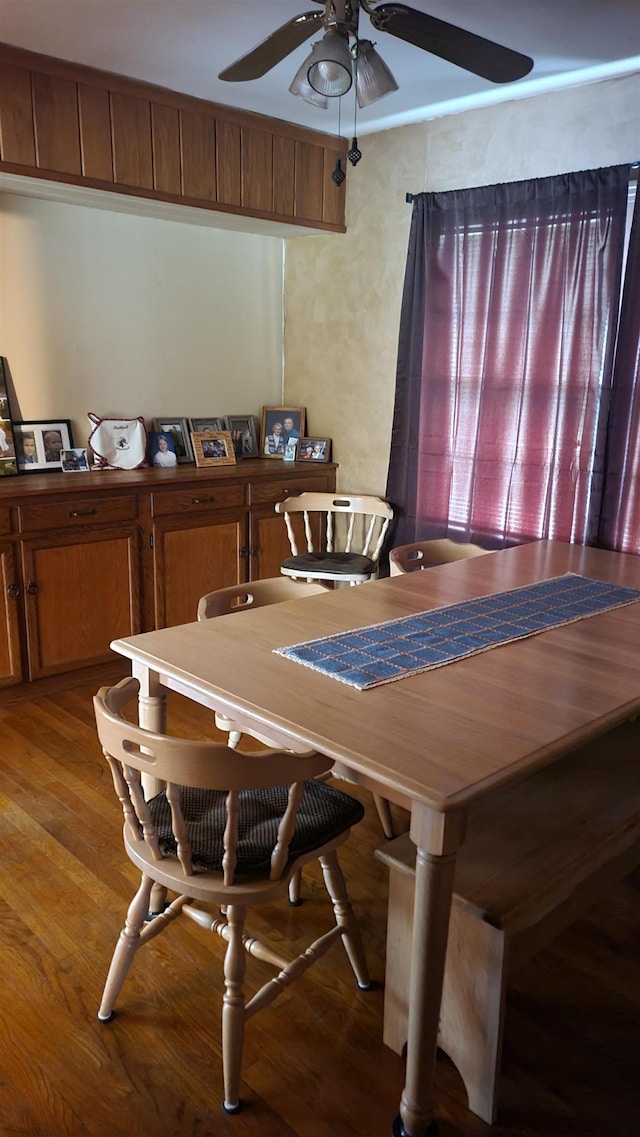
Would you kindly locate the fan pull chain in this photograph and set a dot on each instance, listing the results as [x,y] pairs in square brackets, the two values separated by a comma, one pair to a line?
[353,153]
[338,175]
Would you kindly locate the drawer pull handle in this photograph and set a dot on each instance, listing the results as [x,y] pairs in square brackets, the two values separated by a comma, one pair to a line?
[32,588]
[201,500]
[13,590]
[82,512]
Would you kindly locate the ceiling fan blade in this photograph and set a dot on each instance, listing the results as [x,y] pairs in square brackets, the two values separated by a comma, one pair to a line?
[465,49]
[275,47]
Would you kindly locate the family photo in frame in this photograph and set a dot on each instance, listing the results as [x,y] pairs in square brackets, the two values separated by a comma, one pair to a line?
[213,448]
[178,432]
[281,426]
[314,450]
[39,445]
[8,458]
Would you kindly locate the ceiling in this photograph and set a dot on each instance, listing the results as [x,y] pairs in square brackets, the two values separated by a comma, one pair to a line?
[183,44]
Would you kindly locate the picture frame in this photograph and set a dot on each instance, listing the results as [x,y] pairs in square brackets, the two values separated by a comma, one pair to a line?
[197,425]
[40,443]
[75,461]
[314,450]
[213,448]
[162,449]
[276,433]
[179,430]
[244,435]
[8,455]
[291,450]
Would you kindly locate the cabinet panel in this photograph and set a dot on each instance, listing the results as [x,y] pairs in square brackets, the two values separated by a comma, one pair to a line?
[228,162]
[10,663]
[165,122]
[81,592]
[16,116]
[290,487]
[57,127]
[196,500]
[198,137]
[95,132]
[283,175]
[5,521]
[79,512]
[257,170]
[309,181]
[192,559]
[131,125]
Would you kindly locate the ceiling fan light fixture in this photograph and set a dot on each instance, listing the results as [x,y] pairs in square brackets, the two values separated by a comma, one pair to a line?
[300,86]
[373,78]
[329,70]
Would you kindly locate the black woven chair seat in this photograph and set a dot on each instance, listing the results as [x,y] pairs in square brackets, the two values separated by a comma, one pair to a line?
[336,563]
[324,813]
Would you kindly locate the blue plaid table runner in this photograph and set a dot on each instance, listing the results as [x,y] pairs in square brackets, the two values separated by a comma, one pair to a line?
[381,653]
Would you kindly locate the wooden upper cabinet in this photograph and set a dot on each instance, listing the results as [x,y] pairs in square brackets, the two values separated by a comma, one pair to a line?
[95,132]
[17,142]
[106,131]
[131,134]
[198,147]
[56,123]
[165,123]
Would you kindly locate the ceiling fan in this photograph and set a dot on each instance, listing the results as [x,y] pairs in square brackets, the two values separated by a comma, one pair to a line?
[329,70]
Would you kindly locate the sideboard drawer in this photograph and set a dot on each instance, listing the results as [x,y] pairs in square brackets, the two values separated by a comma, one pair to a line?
[197,500]
[78,511]
[264,492]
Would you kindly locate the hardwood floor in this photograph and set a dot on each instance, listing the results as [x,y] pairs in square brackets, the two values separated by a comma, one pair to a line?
[315,1065]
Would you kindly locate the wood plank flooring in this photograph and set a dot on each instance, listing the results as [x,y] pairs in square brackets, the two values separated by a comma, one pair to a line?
[315,1065]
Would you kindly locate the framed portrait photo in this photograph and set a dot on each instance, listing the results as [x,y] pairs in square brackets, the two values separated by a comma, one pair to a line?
[279,426]
[314,450]
[162,449]
[213,448]
[244,435]
[179,431]
[291,450]
[39,444]
[197,425]
[8,457]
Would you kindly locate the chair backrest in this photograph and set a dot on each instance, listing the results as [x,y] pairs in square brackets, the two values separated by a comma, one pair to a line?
[208,790]
[256,594]
[366,520]
[423,554]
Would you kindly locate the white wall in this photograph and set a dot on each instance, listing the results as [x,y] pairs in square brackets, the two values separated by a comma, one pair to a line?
[114,313]
[343,293]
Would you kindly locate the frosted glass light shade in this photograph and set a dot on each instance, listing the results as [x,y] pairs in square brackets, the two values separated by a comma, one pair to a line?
[373,78]
[330,71]
[300,86]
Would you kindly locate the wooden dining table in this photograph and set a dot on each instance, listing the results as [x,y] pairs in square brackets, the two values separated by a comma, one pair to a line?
[436,741]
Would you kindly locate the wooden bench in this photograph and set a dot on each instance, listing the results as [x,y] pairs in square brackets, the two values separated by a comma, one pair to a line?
[536,855]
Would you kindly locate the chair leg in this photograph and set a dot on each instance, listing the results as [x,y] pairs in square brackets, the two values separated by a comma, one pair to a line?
[233,1008]
[126,947]
[345,918]
[294,889]
[384,813]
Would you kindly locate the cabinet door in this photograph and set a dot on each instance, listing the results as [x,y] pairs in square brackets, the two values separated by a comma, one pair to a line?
[269,542]
[81,592]
[192,558]
[10,665]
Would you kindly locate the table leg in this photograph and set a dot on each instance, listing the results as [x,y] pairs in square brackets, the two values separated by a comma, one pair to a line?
[152,715]
[437,837]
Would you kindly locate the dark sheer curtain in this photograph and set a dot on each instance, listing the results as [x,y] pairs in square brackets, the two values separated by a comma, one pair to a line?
[620,522]
[507,337]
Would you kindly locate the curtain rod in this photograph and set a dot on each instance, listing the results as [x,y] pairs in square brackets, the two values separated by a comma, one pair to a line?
[408,197]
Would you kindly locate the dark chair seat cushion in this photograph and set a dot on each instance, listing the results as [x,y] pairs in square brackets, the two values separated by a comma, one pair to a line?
[340,564]
[324,813]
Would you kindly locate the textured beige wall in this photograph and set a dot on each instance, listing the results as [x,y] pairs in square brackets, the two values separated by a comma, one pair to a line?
[114,313]
[343,293]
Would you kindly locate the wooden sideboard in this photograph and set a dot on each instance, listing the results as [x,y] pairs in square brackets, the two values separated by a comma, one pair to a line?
[86,558]
[69,123]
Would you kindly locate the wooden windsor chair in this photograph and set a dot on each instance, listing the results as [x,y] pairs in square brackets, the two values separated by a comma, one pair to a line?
[422,554]
[229,830]
[344,535]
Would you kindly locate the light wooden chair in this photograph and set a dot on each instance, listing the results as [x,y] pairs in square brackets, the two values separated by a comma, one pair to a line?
[343,534]
[423,554]
[229,830]
[257,594]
